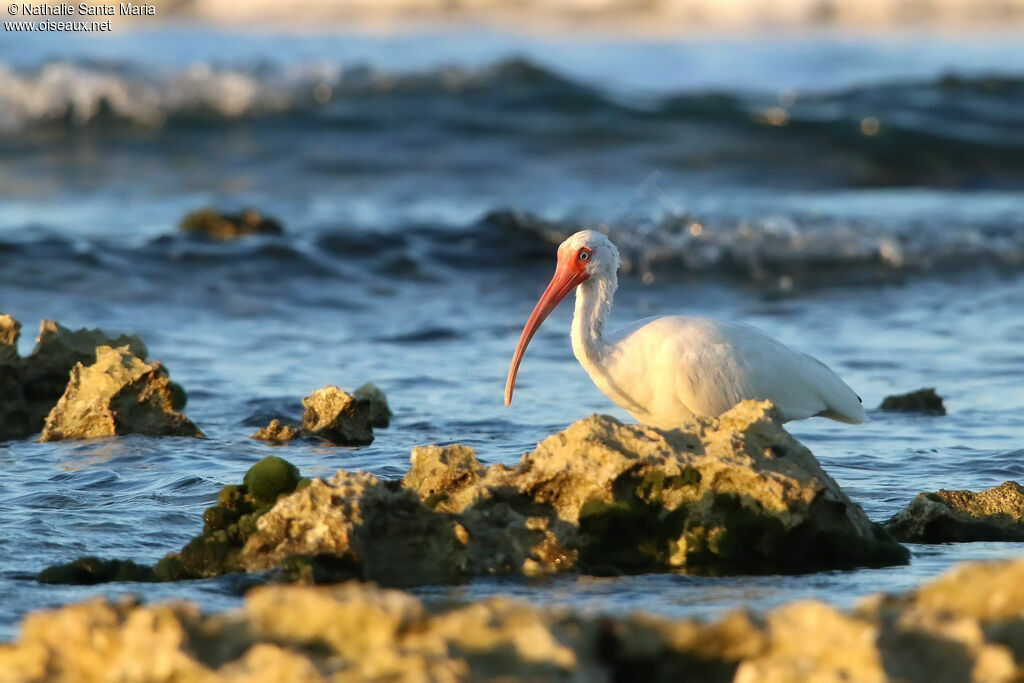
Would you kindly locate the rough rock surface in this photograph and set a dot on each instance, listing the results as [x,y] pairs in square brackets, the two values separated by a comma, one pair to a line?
[924,401]
[277,432]
[996,514]
[965,626]
[734,494]
[365,527]
[117,394]
[229,226]
[31,386]
[338,417]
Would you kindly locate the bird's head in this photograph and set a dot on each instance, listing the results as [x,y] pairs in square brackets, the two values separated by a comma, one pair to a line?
[583,255]
[590,253]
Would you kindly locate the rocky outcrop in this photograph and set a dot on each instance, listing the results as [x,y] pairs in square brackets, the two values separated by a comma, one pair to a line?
[117,394]
[337,417]
[224,227]
[924,401]
[996,514]
[277,432]
[31,386]
[967,625]
[735,494]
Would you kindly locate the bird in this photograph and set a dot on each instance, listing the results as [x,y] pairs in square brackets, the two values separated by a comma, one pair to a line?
[665,371]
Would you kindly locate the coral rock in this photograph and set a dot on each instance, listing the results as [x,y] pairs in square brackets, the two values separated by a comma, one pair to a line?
[276,432]
[337,417]
[735,494]
[996,514]
[386,532]
[964,626]
[118,394]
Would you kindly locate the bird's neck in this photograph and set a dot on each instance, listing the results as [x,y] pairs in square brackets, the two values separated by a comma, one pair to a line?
[593,302]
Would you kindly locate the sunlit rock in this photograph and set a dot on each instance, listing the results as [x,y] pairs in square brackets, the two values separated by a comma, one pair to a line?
[117,394]
[964,626]
[338,417]
[277,432]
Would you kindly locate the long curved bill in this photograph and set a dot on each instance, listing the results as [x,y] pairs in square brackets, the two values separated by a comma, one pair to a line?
[564,281]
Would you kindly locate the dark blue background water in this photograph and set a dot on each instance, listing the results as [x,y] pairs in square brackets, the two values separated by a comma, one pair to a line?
[424,181]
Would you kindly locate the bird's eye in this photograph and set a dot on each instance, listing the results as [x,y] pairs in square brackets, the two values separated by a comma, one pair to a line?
[584,255]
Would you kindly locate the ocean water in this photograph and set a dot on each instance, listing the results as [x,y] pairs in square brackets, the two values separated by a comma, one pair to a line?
[857,197]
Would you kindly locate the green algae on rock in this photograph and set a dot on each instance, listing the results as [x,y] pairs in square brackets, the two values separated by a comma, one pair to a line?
[735,494]
[117,394]
[965,625]
[224,227]
[924,401]
[996,514]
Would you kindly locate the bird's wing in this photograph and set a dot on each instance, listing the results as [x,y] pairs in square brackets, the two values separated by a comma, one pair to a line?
[715,365]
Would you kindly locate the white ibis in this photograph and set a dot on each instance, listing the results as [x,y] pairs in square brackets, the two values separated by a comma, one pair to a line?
[664,371]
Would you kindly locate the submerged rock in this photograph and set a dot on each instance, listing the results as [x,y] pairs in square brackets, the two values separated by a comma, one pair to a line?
[924,401]
[338,417]
[229,226]
[966,625]
[92,570]
[117,394]
[996,514]
[277,432]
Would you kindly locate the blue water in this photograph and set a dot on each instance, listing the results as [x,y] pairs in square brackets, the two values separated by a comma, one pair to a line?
[896,258]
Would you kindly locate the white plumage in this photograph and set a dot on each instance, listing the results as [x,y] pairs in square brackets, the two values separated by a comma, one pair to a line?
[665,370]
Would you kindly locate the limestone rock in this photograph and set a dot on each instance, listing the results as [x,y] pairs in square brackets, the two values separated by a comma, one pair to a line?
[45,373]
[439,474]
[118,394]
[996,514]
[337,417]
[10,330]
[384,532]
[277,432]
[964,626]
[924,401]
[380,413]
[733,494]
[229,226]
